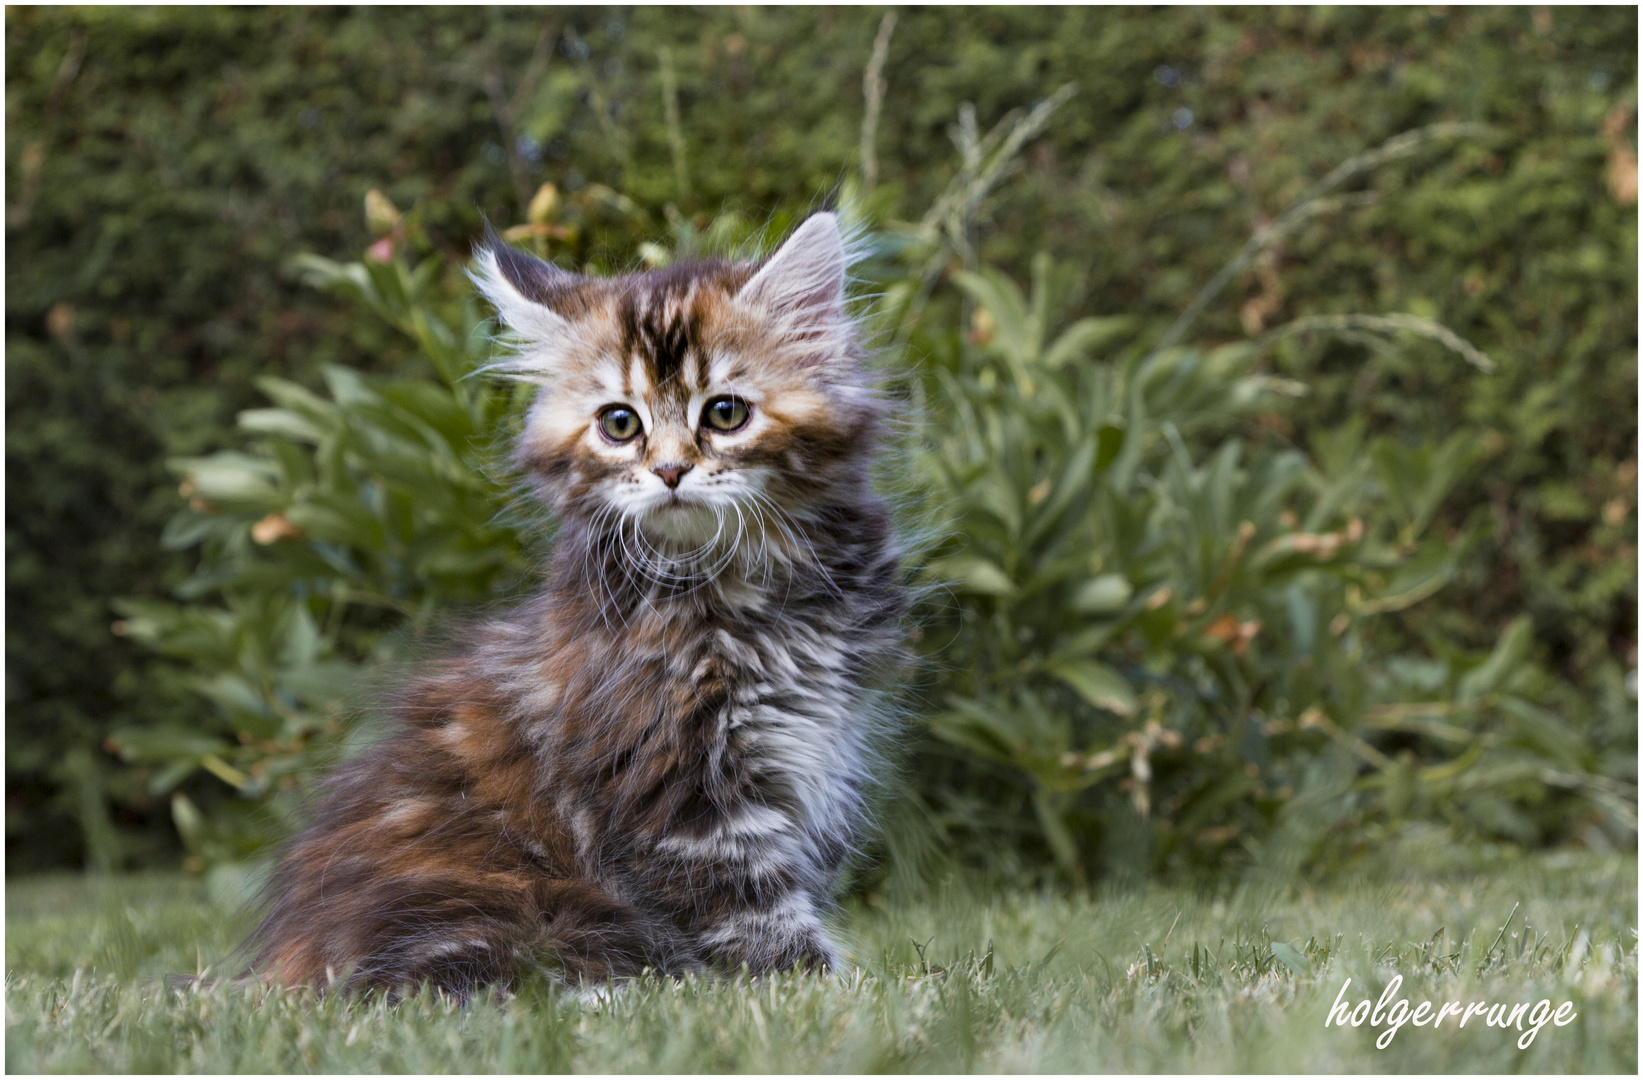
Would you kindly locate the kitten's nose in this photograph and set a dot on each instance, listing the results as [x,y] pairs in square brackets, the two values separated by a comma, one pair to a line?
[671,474]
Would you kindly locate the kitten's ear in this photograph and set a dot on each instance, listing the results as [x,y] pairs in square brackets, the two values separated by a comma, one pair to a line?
[802,284]
[532,297]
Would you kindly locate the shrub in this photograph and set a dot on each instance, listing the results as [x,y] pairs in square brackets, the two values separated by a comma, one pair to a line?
[1166,653]
[165,163]
[1165,644]
[361,513]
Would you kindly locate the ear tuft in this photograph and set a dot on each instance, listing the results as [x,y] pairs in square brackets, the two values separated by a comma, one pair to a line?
[528,293]
[803,282]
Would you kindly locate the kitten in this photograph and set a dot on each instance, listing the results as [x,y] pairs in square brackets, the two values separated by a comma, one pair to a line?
[660,760]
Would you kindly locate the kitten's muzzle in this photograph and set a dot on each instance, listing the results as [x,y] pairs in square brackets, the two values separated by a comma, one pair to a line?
[672,474]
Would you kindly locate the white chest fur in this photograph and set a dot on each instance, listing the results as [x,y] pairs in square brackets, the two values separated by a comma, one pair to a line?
[796,720]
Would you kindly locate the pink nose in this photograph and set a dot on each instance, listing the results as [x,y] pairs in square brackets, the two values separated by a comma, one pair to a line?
[671,474]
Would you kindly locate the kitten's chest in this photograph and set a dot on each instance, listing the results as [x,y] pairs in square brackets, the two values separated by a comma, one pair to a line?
[791,722]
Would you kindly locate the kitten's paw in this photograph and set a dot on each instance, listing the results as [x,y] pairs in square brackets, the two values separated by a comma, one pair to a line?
[787,936]
[819,955]
[603,995]
[811,953]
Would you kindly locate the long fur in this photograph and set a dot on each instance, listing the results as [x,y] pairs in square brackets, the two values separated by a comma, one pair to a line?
[660,761]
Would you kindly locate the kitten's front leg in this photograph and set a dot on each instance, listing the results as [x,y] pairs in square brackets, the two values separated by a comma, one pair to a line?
[779,935]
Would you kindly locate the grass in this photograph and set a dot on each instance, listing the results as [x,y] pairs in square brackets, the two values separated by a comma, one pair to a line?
[1148,979]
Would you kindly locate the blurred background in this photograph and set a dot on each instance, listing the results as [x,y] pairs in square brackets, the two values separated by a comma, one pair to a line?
[1270,384]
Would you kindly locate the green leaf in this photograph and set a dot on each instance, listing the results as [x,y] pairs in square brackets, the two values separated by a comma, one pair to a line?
[188,528]
[1084,336]
[334,517]
[1422,575]
[974,574]
[1510,651]
[1012,333]
[320,684]
[434,405]
[349,387]
[970,729]
[173,774]
[1103,595]
[1099,685]
[294,637]
[183,631]
[1545,732]
[281,422]
[1051,809]
[1083,643]
[1416,478]
[233,693]
[1110,439]
[298,399]
[187,817]
[225,772]
[168,743]
[232,477]
[1073,481]
[1292,958]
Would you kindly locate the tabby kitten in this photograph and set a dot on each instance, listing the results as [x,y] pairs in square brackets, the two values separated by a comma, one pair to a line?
[660,760]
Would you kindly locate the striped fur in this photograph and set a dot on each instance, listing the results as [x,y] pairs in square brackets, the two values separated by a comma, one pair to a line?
[660,760]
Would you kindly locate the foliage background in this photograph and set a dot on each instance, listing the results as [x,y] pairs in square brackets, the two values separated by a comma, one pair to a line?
[164,167]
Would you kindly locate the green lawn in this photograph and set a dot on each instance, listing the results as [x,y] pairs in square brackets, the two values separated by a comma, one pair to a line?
[1139,980]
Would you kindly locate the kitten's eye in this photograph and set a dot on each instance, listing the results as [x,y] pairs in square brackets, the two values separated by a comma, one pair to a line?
[619,423]
[725,413]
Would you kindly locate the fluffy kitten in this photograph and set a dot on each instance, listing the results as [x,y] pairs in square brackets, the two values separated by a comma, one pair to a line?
[660,760]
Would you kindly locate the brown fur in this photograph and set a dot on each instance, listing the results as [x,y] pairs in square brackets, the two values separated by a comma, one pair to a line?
[615,776]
